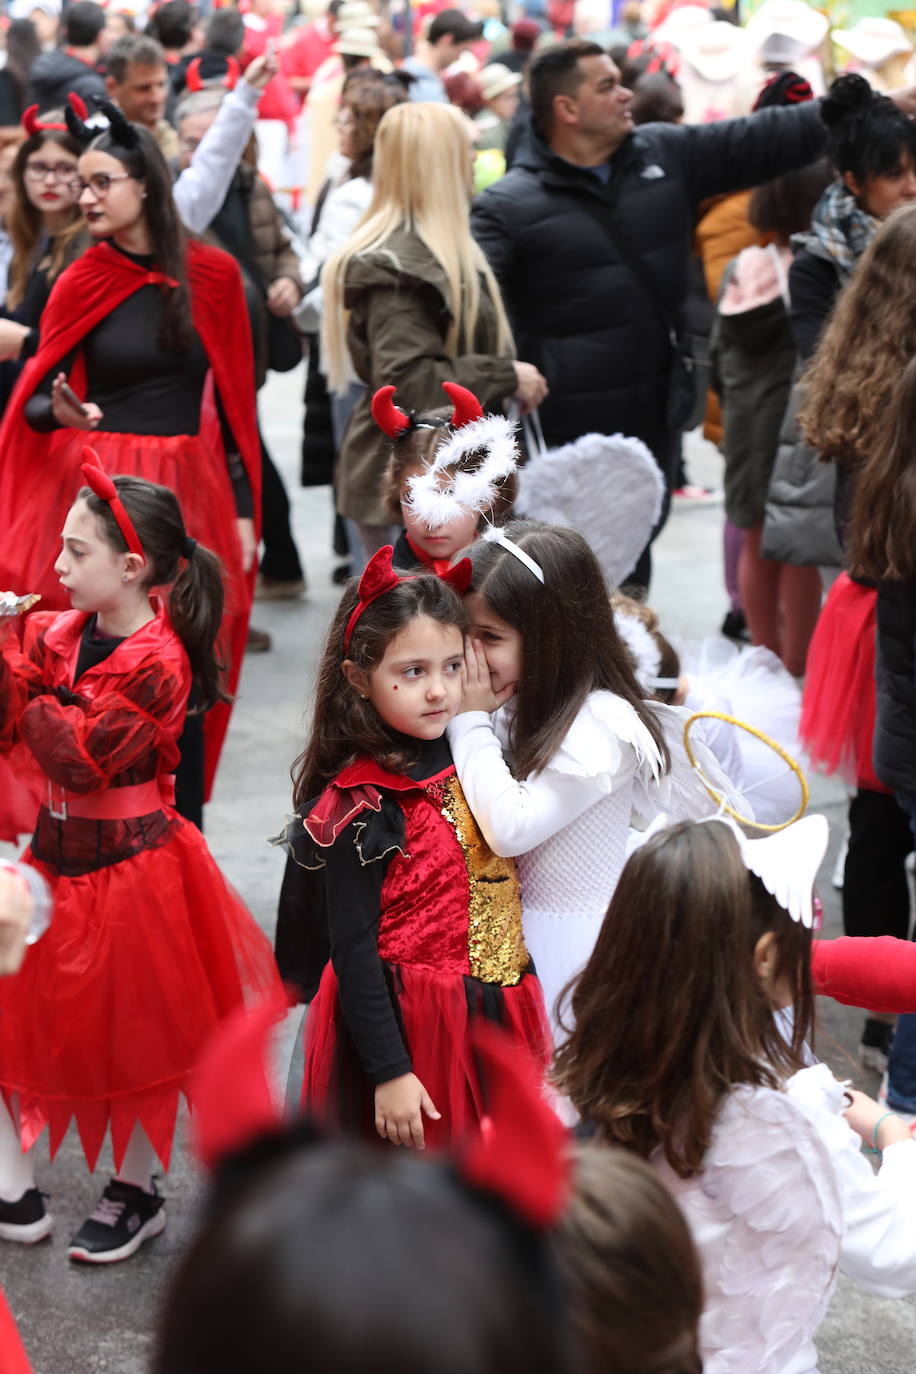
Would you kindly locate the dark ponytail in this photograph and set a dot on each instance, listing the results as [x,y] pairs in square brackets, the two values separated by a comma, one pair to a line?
[194,573]
[867,134]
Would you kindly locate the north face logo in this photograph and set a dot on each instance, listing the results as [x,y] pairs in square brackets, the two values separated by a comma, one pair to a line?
[652,173]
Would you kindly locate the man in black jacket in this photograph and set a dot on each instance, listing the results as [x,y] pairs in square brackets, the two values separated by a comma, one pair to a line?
[578,311]
[72,67]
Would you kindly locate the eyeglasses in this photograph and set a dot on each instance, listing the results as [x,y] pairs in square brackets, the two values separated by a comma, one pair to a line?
[41,171]
[99,185]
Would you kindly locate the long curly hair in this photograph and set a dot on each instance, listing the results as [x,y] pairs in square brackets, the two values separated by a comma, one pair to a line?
[865,347]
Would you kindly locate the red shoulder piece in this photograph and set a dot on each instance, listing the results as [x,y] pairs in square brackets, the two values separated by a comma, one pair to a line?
[336,808]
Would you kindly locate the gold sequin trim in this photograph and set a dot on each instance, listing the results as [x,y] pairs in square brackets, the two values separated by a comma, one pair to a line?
[496,945]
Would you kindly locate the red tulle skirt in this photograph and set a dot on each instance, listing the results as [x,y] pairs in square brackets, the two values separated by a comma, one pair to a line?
[839,704]
[435,1010]
[112,1006]
[194,470]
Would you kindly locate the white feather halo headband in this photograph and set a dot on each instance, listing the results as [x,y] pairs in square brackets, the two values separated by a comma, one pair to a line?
[437,503]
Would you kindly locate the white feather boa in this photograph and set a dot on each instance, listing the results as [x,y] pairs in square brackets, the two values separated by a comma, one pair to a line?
[436,501]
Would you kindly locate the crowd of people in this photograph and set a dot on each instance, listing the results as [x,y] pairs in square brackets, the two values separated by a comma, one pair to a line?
[550,928]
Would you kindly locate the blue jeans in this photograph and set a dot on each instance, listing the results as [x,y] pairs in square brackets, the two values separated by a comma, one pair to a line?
[901,1067]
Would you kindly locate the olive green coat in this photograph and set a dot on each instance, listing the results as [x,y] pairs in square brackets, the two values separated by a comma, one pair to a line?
[399,318]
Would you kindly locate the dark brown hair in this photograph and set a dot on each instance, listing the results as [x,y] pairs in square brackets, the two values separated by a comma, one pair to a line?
[670,1013]
[784,205]
[881,538]
[865,347]
[632,1273]
[570,644]
[343,725]
[26,225]
[368,95]
[556,71]
[195,601]
[415,448]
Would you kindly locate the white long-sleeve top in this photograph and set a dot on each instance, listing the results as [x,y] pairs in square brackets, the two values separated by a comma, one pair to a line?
[343,208]
[785,1199]
[201,188]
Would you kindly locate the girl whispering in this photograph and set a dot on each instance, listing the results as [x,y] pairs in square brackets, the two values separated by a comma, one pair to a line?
[719,1095]
[555,777]
[149,948]
[424,921]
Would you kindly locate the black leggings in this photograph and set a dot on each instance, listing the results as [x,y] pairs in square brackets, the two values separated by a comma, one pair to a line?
[281,557]
[876,889]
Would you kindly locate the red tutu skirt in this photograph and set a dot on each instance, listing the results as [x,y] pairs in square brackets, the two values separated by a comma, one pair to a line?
[112,1006]
[194,470]
[435,1011]
[839,703]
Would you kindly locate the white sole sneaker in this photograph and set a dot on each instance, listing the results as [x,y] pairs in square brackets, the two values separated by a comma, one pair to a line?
[28,1235]
[154,1227]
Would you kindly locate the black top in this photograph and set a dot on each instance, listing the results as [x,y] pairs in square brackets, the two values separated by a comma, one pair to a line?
[141,387]
[94,647]
[351,910]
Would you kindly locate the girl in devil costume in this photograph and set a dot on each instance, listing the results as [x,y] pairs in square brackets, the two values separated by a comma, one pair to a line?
[149,947]
[136,327]
[424,920]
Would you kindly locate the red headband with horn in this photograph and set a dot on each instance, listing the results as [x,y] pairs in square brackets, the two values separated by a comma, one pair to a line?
[33,125]
[521,1155]
[104,487]
[379,577]
[195,82]
[393,421]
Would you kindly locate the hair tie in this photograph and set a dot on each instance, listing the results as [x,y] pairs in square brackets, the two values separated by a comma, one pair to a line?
[99,482]
[190,546]
[380,577]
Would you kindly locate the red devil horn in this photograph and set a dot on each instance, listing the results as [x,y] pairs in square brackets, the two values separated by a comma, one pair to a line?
[78,105]
[231,79]
[466,405]
[390,419]
[95,477]
[192,77]
[30,121]
[459,577]
[230,1089]
[521,1155]
[379,575]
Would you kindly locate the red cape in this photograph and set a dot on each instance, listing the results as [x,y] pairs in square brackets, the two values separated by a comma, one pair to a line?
[30,480]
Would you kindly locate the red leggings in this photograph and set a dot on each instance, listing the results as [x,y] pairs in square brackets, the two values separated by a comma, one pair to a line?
[781,602]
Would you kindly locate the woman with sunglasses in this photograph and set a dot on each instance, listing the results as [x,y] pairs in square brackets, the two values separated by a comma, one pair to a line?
[136,329]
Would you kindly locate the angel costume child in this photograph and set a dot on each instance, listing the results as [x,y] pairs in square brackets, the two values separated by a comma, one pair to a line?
[149,948]
[421,920]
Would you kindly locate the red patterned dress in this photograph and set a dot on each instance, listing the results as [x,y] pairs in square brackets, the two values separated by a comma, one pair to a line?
[425,930]
[149,947]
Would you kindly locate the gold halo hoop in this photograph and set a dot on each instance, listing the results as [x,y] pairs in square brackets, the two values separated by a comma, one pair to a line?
[717,797]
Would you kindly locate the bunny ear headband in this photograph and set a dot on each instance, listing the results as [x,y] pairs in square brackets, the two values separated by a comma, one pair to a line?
[520,1157]
[438,495]
[786,863]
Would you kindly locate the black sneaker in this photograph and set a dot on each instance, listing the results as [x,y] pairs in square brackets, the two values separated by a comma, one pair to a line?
[734,626]
[125,1217]
[25,1221]
[875,1045]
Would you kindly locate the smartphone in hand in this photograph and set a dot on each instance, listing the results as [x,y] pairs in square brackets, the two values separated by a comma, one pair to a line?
[72,399]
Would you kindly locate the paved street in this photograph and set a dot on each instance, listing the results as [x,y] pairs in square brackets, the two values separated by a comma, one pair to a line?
[84,1319]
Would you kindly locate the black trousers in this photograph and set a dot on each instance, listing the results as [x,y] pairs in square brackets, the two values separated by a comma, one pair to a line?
[281,557]
[876,889]
[666,449]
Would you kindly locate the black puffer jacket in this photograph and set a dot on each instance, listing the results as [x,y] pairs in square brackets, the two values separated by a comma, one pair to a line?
[577,311]
[55,74]
[895,671]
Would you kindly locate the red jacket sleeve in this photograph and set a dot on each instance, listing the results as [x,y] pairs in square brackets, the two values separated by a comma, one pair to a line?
[21,675]
[81,745]
[874,973]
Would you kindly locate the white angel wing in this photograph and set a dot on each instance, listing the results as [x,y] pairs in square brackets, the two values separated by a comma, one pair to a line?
[607,486]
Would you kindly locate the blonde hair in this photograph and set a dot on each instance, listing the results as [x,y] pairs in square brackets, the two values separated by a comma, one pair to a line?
[420,182]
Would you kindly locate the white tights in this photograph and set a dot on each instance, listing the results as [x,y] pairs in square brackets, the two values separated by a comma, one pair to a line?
[17,1172]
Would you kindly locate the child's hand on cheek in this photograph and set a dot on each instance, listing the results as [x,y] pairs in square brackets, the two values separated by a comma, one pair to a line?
[477,692]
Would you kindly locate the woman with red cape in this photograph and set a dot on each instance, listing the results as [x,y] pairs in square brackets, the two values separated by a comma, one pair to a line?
[149,330]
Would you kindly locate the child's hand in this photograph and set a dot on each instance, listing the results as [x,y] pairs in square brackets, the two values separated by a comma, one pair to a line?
[476,693]
[864,1114]
[399,1107]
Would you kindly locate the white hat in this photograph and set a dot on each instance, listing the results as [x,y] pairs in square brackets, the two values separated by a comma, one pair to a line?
[716,52]
[873,41]
[680,22]
[783,29]
[356,14]
[495,79]
[357,43]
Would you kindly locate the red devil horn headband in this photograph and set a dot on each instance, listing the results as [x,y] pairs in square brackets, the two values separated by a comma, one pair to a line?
[195,82]
[393,421]
[104,487]
[33,125]
[380,577]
